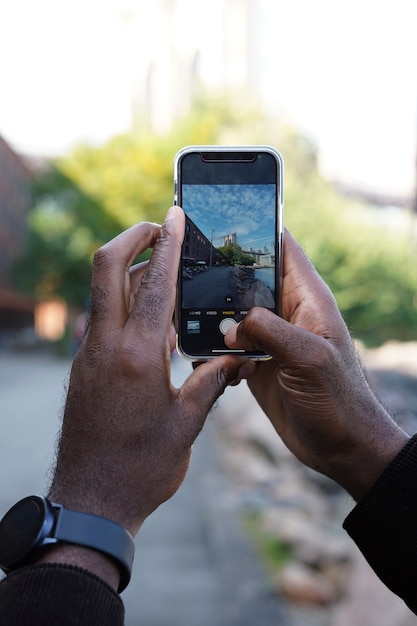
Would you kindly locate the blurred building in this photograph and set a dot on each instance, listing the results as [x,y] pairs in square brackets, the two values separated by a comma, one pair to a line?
[174,52]
[16,309]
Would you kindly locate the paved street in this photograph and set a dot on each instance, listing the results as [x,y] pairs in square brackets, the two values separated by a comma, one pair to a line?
[193,565]
[208,289]
[31,394]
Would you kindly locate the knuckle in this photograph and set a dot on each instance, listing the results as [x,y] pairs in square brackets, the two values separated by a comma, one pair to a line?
[322,358]
[103,256]
[155,273]
[222,379]
[166,234]
[254,318]
[255,321]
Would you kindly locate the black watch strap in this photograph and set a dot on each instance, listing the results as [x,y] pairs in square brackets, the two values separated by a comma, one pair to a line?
[36,523]
[98,533]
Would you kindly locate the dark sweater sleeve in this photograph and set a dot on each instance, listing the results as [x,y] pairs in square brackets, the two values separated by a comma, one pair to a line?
[384,525]
[58,595]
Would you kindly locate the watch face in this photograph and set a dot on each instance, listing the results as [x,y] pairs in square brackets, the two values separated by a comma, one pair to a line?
[21,529]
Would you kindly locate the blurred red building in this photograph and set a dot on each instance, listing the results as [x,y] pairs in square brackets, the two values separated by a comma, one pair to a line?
[16,309]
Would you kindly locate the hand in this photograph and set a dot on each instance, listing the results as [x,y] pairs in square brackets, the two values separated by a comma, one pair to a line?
[127,432]
[314,389]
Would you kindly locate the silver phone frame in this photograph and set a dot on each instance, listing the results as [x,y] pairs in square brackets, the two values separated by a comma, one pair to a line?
[279,232]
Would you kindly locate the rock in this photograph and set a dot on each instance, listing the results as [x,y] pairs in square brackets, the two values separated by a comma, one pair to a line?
[338,575]
[399,394]
[319,548]
[392,371]
[313,544]
[394,356]
[300,584]
[252,469]
[258,294]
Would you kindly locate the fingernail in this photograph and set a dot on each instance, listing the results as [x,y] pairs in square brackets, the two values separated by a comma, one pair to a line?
[172,211]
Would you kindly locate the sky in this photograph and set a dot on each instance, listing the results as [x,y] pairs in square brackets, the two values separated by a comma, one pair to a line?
[344,71]
[246,210]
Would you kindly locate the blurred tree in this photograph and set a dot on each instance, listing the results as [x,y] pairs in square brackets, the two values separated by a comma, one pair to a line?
[95,192]
[66,225]
[370,269]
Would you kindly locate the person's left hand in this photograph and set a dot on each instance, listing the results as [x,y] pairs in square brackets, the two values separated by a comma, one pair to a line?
[127,432]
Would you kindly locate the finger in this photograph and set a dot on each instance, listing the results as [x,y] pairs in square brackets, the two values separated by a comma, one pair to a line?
[155,299]
[136,273]
[209,380]
[295,259]
[301,282]
[246,369]
[196,364]
[172,336]
[110,284]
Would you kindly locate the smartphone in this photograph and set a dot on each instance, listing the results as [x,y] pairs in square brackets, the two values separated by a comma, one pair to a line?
[231,256]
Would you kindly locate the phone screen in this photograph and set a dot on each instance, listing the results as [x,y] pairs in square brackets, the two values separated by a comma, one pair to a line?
[230,258]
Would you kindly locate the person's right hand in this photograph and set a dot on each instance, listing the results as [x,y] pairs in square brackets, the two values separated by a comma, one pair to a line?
[314,389]
[127,432]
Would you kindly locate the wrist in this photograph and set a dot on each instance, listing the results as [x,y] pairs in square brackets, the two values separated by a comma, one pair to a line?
[369,453]
[36,529]
[89,503]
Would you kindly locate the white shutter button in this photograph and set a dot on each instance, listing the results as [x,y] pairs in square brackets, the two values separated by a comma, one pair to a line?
[227,323]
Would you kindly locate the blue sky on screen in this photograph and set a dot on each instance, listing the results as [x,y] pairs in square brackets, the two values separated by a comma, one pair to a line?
[247,210]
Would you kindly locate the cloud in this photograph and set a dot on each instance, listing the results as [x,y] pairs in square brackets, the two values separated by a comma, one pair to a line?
[247,210]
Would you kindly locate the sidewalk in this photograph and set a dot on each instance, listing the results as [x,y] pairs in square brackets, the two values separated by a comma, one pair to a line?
[194,564]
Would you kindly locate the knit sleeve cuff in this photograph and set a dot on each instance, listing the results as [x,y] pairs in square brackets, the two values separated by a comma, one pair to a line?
[384,525]
[50,594]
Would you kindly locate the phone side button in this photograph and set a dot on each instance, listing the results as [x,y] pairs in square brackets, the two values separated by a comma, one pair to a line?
[225,324]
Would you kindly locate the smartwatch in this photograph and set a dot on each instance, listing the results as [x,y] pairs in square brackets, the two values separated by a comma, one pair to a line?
[36,523]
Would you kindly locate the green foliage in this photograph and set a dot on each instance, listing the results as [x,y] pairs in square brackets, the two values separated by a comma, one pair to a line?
[66,226]
[95,192]
[371,270]
[274,552]
[129,178]
[234,255]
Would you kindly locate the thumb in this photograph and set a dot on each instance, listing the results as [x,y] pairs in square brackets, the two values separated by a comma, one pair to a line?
[209,380]
[263,330]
